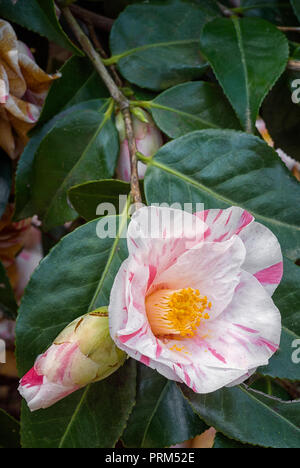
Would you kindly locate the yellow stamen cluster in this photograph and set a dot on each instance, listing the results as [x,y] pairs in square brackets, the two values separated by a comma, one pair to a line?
[176,312]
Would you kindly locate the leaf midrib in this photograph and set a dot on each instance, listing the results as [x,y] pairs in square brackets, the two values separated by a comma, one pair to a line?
[153,104]
[238,31]
[216,195]
[116,58]
[158,401]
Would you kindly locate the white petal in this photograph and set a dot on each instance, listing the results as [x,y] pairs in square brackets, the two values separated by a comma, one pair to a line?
[264,256]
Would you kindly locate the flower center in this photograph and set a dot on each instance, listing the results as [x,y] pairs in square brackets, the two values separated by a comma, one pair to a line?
[176,312]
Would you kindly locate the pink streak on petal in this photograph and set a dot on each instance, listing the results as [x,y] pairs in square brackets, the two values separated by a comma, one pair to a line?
[32,379]
[158,349]
[207,233]
[246,219]
[131,276]
[263,342]
[249,330]
[66,358]
[271,275]
[218,216]
[125,338]
[152,274]
[145,360]
[217,355]
[187,379]
[228,219]
[134,243]
[221,238]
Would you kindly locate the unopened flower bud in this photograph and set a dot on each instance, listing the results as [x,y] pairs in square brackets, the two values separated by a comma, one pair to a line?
[83,353]
[148,141]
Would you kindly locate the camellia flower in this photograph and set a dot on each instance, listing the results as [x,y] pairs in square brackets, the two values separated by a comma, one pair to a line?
[23,88]
[193,299]
[148,141]
[83,353]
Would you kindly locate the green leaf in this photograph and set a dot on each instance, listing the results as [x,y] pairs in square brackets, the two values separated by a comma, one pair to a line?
[221,168]
[79,83]
[76,277]
[287,299]
[38,16]
[25,175]
[222,442]
[82,146]
[86,198]
[9,431]
[5,181]
[275,11]
[296,8]
[7,298]
[157,46]
[161,416]
[192,106]
[249,416]
[239,53]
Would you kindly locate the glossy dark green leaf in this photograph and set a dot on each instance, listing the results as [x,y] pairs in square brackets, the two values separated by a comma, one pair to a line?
[221,168]
[157,46]
[76,277]
[87,197]
[192,106]
[270,387]
[82,146]
[275,11]
[296,8]
[249,416]
[9,431]
[7,298]
[38,16]
[25,206]
[161,416]
[5,181]
[79,82]
[239,53]
[287,299]
[223,442]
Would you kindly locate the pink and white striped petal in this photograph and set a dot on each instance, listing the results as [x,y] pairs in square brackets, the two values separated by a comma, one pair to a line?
[263,257]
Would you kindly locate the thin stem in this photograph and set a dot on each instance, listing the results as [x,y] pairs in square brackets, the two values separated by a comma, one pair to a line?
[115,93]
[104,55]
[99,21]
[289,28]
[226,11]
[293,65]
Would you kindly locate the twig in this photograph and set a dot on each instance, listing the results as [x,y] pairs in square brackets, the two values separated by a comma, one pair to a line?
[288,28]
[116,94]
[99,21]
[226,11]
[104,55]
[289,387]
[293,65]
